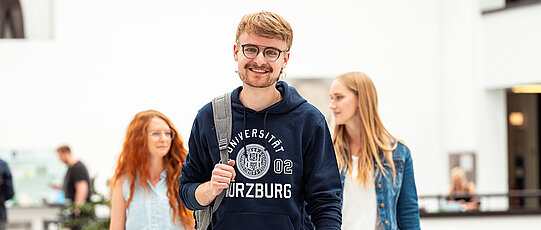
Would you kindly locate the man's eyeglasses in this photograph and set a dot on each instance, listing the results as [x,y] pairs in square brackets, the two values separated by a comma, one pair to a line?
[156,135]
[271,54]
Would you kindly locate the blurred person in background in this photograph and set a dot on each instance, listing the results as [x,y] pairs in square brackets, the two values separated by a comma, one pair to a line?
[462,191]
[379,185]
[144,186]
[11,19]
[76,182]
[6,192]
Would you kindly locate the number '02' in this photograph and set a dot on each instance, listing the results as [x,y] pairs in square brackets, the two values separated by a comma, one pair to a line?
[283,166]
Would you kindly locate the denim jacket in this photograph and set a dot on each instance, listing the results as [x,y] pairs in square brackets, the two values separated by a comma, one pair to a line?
[397,205]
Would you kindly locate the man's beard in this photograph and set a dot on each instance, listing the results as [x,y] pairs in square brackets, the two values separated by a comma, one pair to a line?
[243,74]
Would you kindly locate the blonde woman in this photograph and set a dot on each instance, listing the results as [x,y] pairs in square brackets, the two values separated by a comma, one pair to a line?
[379,187]
[462,190]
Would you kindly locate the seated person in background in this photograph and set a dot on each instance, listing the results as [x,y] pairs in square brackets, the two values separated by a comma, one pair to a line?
[462,191]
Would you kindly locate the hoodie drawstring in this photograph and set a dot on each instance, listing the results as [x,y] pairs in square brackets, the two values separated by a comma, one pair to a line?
[264,128]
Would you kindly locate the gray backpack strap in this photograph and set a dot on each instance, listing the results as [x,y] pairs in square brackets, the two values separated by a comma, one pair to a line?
[221,108]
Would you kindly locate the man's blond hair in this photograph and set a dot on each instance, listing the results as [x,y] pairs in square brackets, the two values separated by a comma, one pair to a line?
[63,149]
[267,25]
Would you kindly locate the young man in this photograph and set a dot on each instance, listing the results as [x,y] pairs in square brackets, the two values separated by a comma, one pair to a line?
[77,181]
[283,173]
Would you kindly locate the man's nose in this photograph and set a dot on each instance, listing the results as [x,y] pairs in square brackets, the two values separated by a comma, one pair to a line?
[260,59]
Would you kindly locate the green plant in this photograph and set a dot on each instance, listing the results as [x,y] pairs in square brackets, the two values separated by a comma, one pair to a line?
[87,220]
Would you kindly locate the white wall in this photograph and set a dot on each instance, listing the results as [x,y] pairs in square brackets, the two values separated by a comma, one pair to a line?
[38,19]
[491,4]
[459,55]
[112,59]
[511,49]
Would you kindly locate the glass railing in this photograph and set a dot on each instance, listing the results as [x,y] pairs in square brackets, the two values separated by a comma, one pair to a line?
[515,202]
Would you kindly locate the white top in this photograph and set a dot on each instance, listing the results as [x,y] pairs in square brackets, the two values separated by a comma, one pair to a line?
[359,209]
[149,210]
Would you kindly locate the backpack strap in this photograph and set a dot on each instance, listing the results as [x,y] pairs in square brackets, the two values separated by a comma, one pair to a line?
[221,108]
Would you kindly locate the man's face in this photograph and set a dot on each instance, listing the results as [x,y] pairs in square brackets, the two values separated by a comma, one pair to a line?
[63,157]
[258,72]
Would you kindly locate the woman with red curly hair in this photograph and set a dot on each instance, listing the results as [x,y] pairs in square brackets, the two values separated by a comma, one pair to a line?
[144,187]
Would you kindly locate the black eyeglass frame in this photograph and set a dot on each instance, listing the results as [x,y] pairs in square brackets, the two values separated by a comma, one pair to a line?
[264,50]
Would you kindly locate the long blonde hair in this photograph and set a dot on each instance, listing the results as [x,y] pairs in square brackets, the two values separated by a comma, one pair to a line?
[374,136]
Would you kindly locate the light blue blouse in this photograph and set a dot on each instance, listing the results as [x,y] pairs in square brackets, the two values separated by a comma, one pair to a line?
[149,210]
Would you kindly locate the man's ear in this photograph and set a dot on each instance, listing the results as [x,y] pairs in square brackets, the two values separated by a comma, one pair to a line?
[286,59]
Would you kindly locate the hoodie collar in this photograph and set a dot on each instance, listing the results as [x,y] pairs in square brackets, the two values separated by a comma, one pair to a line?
[291,99]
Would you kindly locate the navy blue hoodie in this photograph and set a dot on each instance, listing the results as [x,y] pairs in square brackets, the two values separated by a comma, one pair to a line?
[284,159]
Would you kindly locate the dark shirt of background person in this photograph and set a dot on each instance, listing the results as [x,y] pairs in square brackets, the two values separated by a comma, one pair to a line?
[6,192]
[77,181]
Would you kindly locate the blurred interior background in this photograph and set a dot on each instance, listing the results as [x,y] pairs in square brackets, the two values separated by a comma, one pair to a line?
[458,80]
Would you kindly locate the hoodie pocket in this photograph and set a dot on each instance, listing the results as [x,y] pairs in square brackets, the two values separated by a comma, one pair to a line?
[245,220]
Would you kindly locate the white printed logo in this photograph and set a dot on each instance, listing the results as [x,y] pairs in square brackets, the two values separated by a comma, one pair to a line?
[255,163]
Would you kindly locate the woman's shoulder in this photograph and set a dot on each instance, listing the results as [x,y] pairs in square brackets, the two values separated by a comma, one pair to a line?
[401,150]
[126,182]
[471,186]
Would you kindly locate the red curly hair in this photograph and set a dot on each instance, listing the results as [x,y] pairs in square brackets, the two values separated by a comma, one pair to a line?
[134,158]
